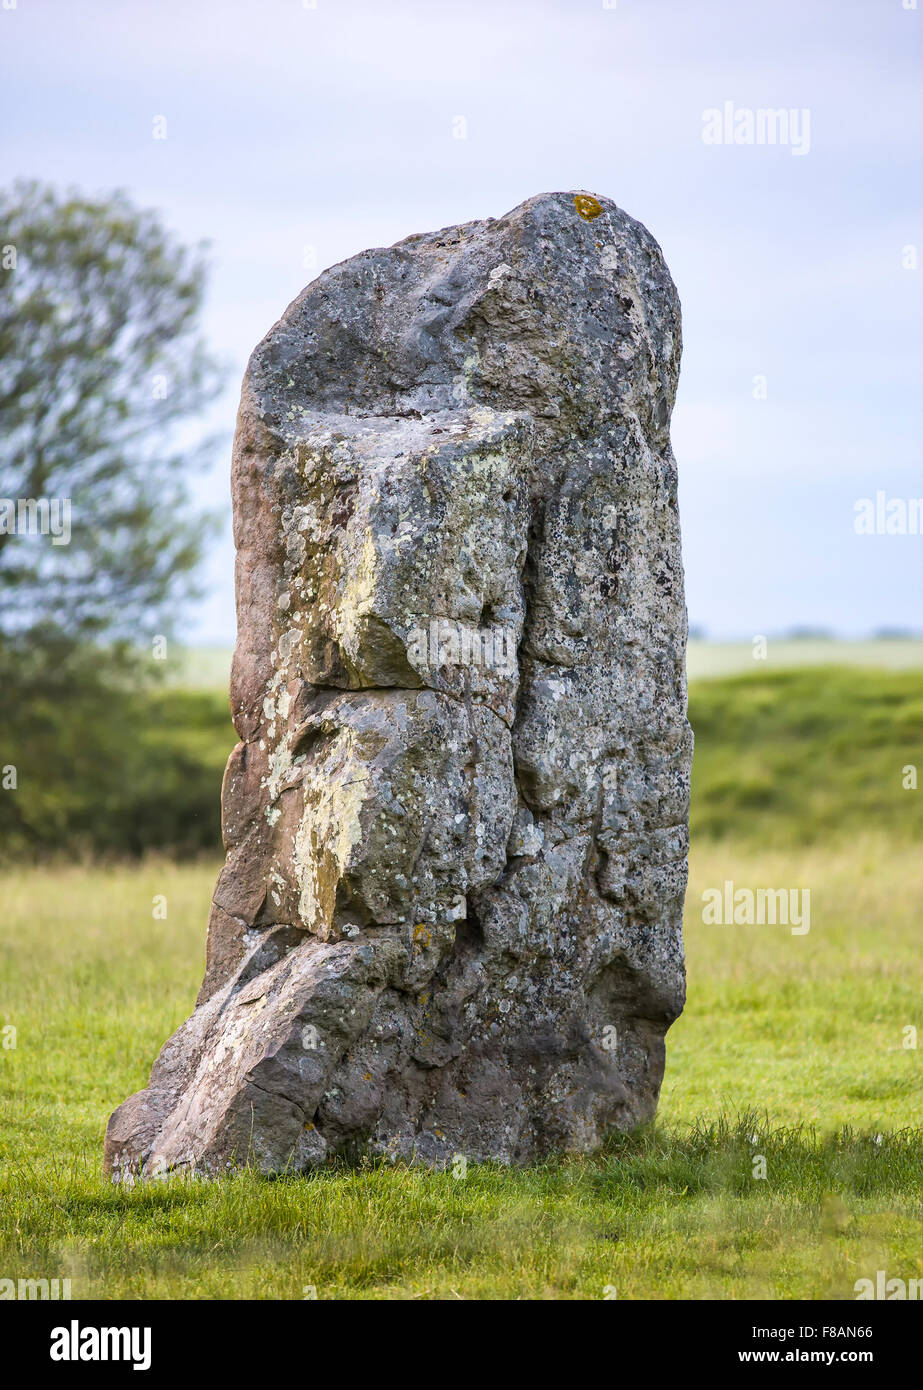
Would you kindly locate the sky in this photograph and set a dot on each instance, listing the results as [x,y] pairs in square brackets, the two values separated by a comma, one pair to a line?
[298,134]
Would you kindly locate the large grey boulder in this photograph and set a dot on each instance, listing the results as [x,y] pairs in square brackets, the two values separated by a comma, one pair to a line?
[456,823]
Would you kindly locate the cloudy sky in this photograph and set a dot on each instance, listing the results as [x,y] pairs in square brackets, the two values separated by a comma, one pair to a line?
[336,127]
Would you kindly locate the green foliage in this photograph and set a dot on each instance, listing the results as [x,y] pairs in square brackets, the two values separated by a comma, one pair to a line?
[100,360]
[103,766]
[797,756]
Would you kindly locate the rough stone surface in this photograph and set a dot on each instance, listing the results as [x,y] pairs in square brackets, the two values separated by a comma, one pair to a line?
[456,823]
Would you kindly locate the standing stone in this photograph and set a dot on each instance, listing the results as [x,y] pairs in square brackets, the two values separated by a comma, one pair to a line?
[456,822]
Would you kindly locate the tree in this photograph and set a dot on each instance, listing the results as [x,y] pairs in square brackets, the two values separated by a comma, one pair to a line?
[100,362]
[101,365]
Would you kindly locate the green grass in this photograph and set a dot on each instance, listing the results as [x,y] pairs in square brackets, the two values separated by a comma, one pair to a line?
[791,1047]
[804,1033]
[656,1217]
[808,755]
[809,1028]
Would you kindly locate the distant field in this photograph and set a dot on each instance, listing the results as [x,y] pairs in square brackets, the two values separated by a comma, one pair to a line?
[785,756]
[807,755]
[208,668]
[199,668]
[707,659]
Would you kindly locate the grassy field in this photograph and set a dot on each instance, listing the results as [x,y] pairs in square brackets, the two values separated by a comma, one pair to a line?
[792,1049]
[705,660]
[208,668]
[806,756]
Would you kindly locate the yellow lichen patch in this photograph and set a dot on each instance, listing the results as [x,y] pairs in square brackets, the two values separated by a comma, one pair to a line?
[359,595]
[587,206]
